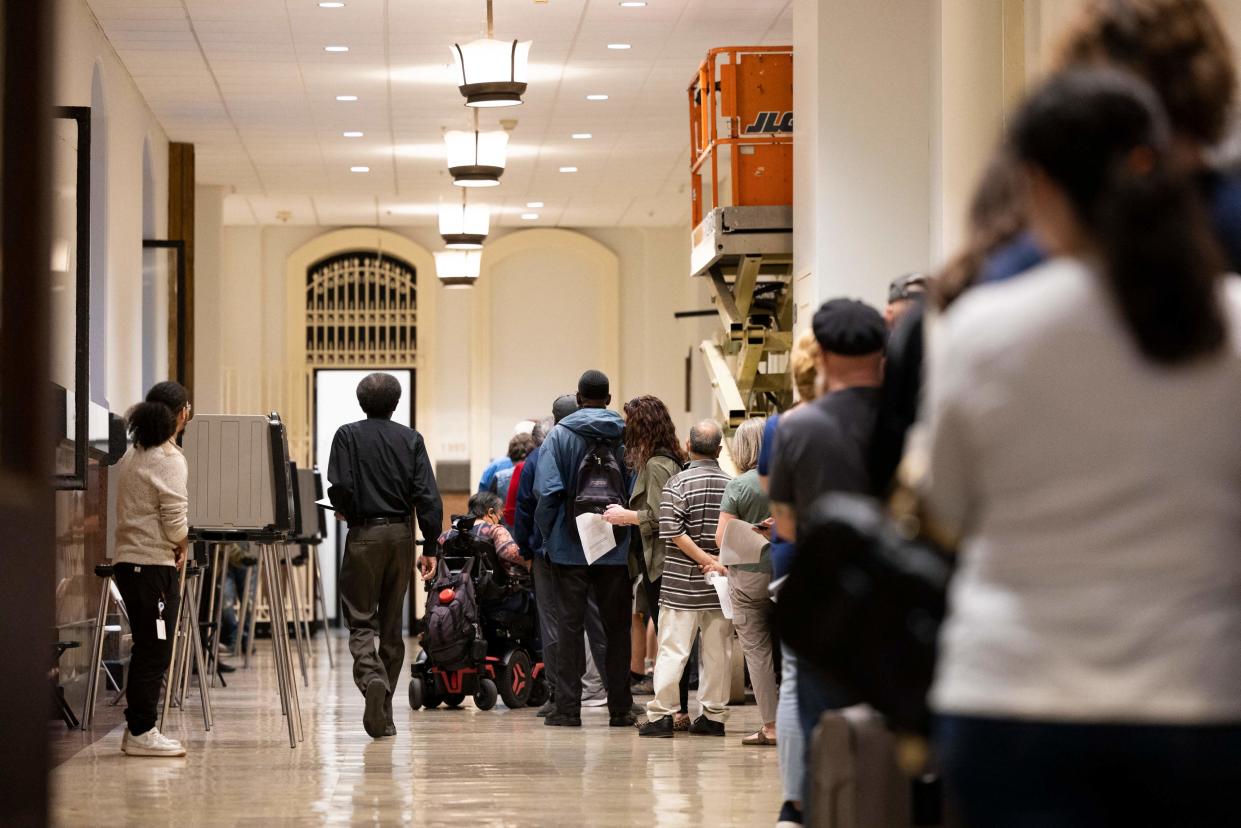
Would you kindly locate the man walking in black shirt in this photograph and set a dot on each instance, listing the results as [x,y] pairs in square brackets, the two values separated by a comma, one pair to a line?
[380,476]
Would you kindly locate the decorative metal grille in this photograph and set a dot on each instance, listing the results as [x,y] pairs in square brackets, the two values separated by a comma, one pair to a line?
[361,310]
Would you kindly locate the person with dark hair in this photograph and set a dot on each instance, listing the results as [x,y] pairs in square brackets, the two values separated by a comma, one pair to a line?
[592,431]
[152,530]
[689,605]
[519,446]
[487,511]
[654,454]
[537,435]
[1089,665]
[531,541]
[380,476]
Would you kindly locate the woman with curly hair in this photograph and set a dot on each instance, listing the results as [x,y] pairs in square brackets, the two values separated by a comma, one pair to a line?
[654,454]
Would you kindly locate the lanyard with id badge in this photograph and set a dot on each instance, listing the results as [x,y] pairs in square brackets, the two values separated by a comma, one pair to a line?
[160,631]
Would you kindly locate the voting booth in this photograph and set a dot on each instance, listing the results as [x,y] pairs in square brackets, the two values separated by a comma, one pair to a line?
[240,482]
[242,489]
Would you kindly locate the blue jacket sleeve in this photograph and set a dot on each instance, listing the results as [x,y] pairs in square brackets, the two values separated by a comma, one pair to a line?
[549,484]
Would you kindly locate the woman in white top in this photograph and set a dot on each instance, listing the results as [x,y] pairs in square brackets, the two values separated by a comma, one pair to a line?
[152,506]
[1084,423]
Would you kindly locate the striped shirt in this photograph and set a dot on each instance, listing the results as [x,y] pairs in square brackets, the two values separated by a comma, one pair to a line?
[690,506]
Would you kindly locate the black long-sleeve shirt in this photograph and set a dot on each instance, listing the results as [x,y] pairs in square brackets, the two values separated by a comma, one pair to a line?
[379,468]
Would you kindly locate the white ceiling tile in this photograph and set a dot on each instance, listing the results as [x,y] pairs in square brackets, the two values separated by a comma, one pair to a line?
[249,83]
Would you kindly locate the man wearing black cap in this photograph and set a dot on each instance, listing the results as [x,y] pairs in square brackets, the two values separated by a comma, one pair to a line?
[822,447]
[596,431]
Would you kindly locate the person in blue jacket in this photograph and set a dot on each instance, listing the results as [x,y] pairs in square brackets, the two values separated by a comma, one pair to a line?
[573,579]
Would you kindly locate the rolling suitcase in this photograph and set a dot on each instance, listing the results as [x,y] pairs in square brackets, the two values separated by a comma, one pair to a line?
[855,780]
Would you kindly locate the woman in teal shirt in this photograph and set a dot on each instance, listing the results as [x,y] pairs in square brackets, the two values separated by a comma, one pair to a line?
[744,499]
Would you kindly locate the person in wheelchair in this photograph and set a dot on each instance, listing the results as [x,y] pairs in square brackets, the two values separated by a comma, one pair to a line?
[487,513]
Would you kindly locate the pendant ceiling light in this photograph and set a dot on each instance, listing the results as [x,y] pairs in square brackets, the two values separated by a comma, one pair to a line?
[464,226]
[458,268]
[492,72]
[476,159]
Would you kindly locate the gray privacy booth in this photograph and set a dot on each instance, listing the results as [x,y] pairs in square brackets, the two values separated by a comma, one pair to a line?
[241,490]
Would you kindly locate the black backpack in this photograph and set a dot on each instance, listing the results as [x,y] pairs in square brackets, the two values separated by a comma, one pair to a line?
[452,625]
[600,480]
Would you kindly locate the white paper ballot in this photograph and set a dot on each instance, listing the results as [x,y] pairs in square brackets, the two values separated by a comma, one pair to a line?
[742,545]
[597,536]
[720,582]
[326,504]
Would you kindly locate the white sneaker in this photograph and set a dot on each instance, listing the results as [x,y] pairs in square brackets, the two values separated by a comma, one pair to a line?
[151,743]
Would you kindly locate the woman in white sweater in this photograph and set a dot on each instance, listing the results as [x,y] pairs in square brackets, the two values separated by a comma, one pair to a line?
[1084,436]
[151,530]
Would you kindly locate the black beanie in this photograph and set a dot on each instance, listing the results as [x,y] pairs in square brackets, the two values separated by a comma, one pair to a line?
[849,328]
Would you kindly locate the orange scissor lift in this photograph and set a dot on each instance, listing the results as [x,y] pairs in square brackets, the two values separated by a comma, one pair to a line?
[741,173]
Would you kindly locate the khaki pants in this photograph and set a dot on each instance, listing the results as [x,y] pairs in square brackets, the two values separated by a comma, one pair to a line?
[753,611]
[677,629]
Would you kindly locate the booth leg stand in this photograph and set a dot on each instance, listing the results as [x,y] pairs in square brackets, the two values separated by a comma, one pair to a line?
[200,660]
[120,605]
[169,681]
[218,617]
[96,646]
[309,616]
[322,600]
[283,666]
[296,602]
[285,599]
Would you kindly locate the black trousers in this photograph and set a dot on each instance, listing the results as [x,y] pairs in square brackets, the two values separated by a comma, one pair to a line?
[573,585]
[374,577]
[549,622]
[143,587]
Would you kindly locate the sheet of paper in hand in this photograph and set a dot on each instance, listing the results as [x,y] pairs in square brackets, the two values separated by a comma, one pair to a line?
[720,582]
[742,544]
[597,536]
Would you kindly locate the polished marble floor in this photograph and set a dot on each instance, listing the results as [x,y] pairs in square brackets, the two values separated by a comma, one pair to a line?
[466,767]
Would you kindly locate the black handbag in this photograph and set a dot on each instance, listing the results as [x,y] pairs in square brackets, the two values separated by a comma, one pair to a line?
[863,602]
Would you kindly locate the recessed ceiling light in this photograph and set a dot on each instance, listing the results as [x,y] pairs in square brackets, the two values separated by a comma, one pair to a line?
[359,169]
[596,97]
[619,46]
[529,216]
[582,136]
[632,4]
[352,134]
[346,97]
[568,169]
[331,5]
[336,48]
[534,205]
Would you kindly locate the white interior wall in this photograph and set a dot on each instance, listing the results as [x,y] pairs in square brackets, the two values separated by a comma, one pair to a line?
[127,123]
[240,349]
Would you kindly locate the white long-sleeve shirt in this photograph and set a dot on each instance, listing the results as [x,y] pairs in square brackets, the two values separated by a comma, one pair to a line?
[1099,497]
[152,504]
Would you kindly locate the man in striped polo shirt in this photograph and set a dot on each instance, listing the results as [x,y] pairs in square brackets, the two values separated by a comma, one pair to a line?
[688,515]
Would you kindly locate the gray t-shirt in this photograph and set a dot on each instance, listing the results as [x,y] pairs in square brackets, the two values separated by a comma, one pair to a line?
[822,447]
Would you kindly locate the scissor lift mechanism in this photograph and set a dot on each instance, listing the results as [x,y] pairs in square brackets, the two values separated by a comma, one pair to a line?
[746,249]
